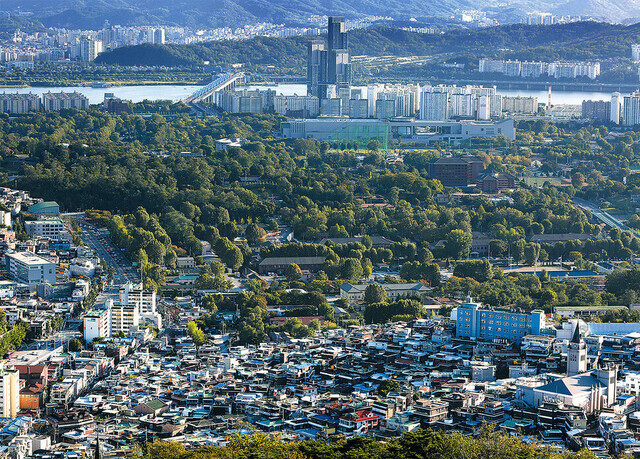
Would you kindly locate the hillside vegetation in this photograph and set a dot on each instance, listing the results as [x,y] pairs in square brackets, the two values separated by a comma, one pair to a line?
[580,41]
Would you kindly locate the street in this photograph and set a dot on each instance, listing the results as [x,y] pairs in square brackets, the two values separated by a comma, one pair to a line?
[100,242]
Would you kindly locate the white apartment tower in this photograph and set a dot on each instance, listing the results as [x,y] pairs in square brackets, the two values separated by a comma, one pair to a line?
[484,108]
[616,107]
[143,300]
[434,106]
[9,391]
[631,111]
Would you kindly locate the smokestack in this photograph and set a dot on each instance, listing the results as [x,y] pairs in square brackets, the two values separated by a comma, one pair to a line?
[549,100]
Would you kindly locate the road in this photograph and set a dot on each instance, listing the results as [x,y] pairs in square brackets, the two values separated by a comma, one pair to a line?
[113,256]
[604,217]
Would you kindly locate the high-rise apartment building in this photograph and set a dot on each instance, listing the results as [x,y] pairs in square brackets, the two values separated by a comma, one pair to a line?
[19,103]
[596,109]
[64,100]
[9,391]
[631,111]
[159,36]
[434,106]
[616,107]
[89,49]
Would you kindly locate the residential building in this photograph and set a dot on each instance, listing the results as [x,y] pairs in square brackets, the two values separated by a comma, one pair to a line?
[297,106]
[144,300]
[89,49]
[596,110]
[9,391]
[635,52]
[30,269]
[616,108]
[97,324]
[19,103]
[473,321]
[434,106]
[64,100]
[520,105]
[355,293]
[631,110]
[124,317]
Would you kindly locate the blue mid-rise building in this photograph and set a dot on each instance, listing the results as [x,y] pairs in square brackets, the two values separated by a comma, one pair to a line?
[473,321]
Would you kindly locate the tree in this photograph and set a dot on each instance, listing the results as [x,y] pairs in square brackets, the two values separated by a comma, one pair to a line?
[375,293]
[75,345]
[479,270]
[458,243]
[293,272]
[209,303]
[217,268]
[577,180]
[204,282]
[352,269]
[196,334]
[388,385]
[326,310]
[254,233]
[531,253]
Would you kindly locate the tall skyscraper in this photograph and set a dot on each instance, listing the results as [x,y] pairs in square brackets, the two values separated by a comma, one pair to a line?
[317,69]
[339,65]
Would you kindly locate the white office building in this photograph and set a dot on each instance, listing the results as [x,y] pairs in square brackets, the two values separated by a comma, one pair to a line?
[30,269]
[47,227]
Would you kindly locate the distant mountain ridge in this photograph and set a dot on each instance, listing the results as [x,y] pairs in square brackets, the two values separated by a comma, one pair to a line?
[213,13]
[574,41]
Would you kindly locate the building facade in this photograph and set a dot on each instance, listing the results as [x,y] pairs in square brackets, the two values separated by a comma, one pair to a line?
[473,321]
[30,269]
[48,227]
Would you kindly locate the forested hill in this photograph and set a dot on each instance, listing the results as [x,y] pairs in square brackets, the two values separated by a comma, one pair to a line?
[580,41]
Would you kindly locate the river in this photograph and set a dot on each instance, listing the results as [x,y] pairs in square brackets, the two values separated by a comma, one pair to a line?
[177,92]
